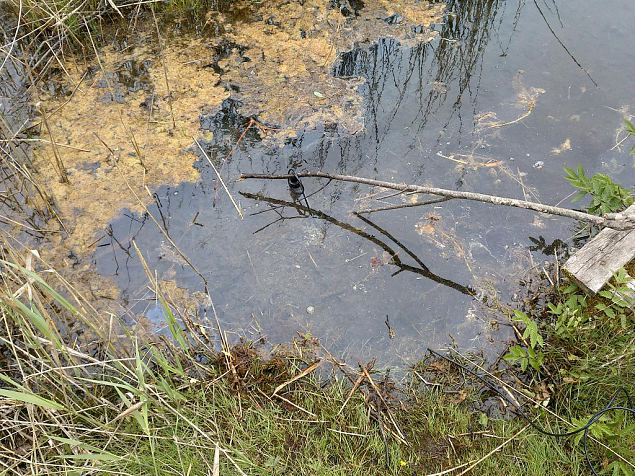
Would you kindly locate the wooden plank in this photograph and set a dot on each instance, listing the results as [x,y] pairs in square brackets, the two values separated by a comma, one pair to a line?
[594,264]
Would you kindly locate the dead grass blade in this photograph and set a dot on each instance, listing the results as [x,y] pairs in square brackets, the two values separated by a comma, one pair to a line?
[383,400]
[356,385]
[286,400]
[498,448]
[304,373]
[216,467]
[127,411]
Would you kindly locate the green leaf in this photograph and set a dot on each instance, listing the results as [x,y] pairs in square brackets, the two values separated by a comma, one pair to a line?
[31,398]
[93,457]
[91,452]
[570,288]
[606,195]
[38,321]
[537,361]
[173,325]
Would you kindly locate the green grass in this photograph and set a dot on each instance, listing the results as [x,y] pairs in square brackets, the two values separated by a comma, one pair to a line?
[113,404]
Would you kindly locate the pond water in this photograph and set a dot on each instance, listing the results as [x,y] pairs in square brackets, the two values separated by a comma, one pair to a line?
[505,96]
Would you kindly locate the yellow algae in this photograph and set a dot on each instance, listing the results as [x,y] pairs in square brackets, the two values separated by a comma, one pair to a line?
[285,71]
[128,126]
[419,13]
[178,296]
[100,291]
[288,81]
[114,139]
[425,228]
[118,142]
[112,148]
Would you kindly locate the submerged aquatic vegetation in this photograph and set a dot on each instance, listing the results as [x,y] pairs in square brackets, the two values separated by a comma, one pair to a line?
[126,127]
[122,123]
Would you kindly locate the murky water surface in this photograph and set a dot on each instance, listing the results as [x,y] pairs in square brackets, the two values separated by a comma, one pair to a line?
[495,103]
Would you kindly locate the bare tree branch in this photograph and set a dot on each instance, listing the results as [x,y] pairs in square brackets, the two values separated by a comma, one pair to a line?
[617,221]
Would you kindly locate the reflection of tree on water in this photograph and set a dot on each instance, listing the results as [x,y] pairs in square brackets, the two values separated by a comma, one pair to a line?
[441,72]
[412,85]
[419,86]
[18,189]
[421,269]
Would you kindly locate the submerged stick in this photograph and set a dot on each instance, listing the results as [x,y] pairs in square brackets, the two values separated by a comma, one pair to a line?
[617,221]
[236,206]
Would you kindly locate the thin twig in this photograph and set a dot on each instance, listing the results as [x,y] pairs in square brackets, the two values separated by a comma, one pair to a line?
[498,448]
[403,205]
[240,212]
[305,372]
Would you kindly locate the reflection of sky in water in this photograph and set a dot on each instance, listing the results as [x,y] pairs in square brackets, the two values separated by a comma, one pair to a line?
[421,108]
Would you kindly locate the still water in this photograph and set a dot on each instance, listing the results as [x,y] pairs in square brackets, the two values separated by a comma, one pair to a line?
[505,96]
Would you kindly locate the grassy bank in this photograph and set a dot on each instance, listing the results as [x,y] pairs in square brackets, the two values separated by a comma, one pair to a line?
[104,401]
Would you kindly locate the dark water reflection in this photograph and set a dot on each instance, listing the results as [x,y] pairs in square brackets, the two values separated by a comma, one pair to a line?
[17,215]
[276,272]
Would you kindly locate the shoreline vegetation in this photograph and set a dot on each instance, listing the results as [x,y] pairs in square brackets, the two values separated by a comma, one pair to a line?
[82,393]
[107,401]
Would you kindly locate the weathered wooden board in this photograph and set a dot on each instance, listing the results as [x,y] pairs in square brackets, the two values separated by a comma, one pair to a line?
[594,264]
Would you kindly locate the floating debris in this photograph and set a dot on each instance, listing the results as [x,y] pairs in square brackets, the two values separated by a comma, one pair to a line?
[566,145]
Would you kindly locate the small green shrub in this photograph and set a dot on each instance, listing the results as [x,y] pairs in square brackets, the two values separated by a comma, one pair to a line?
[570,313]
[606,195]
[527,356]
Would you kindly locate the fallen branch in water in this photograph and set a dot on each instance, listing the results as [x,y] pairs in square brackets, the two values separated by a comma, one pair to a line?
[617,221]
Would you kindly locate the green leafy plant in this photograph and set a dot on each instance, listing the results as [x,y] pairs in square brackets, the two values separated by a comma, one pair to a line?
[571,312]
[529,355]
[618,299]
[630,129]
[606,195]
[611,428]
